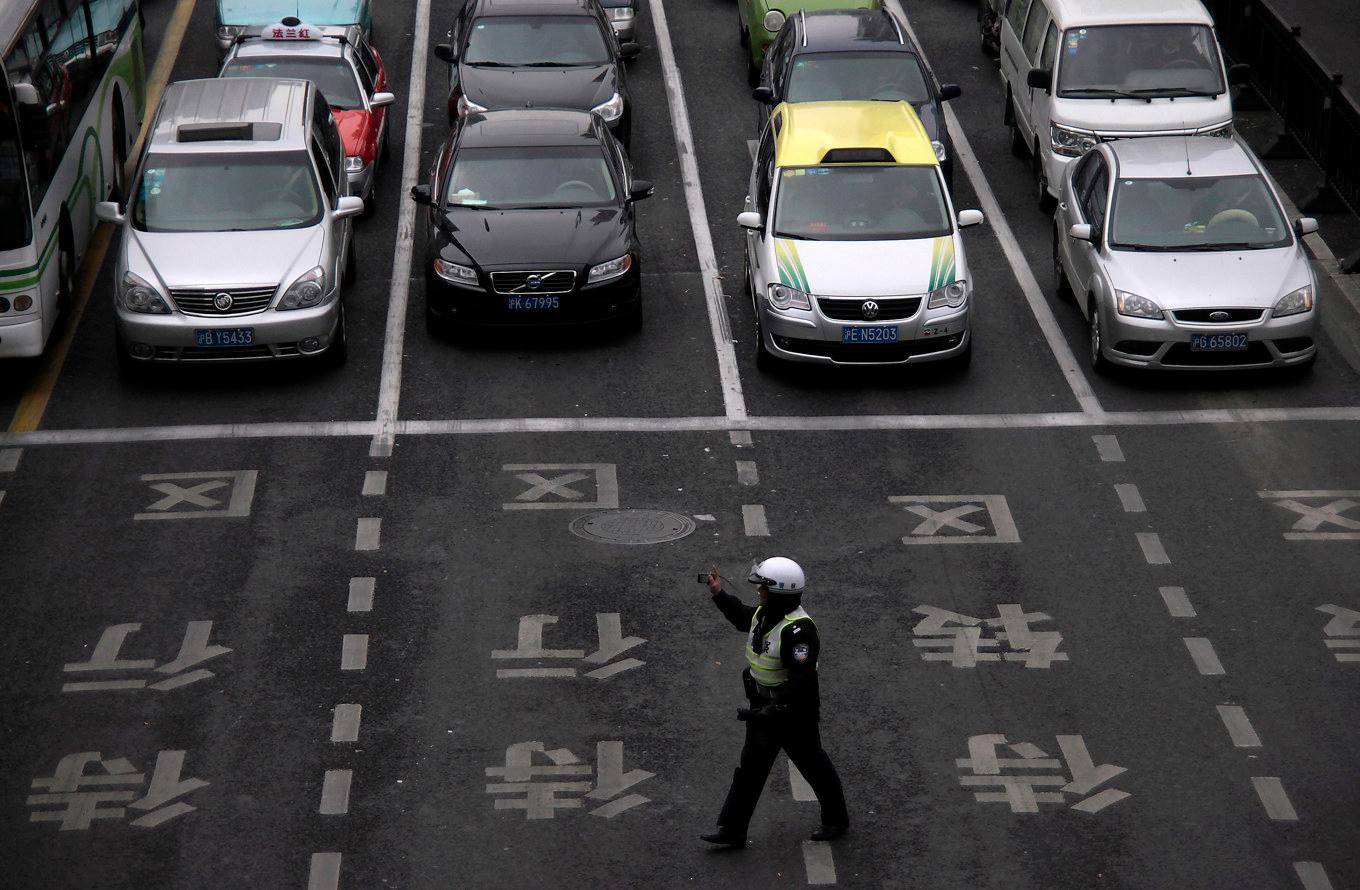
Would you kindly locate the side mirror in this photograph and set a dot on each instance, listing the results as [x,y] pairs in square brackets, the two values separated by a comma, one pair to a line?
[1305,225]
[26,94]
[950,91]
[348,206]
[969,218]
[381,100]
[1081,232]
[421,195]
[445,52]
[1239,74]
[763,95]
[629,50]
[1039,79]
[108,212]
[750,219]
[642,188]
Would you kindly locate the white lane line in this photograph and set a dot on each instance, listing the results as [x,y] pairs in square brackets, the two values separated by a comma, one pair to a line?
[1206,659]
[9,459]
[734,403]
[1274,799]
[389,388]
[751,146]
[1029,286]
[801,789]
[375,483]
[753,518]
[367,533]
[345,723]
[361,594]
[817,860]
[1108,449]
[534,673]
[1177,603]
[1239,727]
[747,474]
[335,792]
[1130,498]
[324,873]
[1153,551]
[740,438]
[354,652]
[1312,875]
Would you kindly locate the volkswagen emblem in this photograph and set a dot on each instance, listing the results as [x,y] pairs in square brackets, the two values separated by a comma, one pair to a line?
[222,302]
[1220,315]
[869,309]
[533,281]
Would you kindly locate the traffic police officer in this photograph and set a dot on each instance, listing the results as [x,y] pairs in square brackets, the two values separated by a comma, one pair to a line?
[781,686]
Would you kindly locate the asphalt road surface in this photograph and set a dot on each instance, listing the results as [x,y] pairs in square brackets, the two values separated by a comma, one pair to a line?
[296,627]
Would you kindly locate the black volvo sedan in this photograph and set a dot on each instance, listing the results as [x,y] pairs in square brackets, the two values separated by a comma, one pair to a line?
[538,54]
[532,221]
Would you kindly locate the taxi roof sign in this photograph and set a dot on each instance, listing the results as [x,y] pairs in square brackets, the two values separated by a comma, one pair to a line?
[292,29]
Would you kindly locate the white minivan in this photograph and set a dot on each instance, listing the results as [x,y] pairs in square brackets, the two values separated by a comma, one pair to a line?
[1078,72]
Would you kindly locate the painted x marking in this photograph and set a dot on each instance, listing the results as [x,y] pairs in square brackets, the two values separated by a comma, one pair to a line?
[1312,518]
[939,519]
[558,485]
[193,494]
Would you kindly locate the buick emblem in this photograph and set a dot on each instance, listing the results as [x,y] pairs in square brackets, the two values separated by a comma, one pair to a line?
[1219,316]
[869,309]
[533,281]
[222,302]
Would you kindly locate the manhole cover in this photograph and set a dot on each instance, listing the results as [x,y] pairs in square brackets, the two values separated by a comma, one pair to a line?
[632,526]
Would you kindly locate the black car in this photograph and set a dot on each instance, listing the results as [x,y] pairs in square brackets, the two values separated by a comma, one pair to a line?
[856,54]
[532,221]
[538,54]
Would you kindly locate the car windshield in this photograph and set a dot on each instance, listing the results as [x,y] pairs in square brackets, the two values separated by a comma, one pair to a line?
[334,77]
[536,176]
[1221,213]
[889,76]
[226,193]
[539,40]
[860,203]
[1146,61]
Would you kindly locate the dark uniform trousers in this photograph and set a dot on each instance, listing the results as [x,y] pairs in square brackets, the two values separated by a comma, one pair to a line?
[796,733]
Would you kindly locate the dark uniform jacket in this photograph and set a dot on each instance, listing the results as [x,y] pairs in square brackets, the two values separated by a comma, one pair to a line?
[798,650]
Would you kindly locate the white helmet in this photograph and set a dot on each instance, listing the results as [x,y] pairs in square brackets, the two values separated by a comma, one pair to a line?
[779,574]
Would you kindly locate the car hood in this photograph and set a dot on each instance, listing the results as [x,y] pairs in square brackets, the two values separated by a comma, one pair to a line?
[1137,116]
[866,268]
[224,259]
[314,12]
[582,88]
[1255,278]
[519,238]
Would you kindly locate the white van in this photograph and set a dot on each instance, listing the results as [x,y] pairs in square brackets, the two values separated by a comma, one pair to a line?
[1078,72]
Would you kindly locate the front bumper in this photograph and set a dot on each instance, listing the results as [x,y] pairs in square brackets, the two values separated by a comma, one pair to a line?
[277,334]
[22,339]
[1165,343]
[361,183]
[813,337]
[609,300]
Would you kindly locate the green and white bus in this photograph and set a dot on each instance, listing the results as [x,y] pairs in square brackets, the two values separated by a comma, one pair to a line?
[72,93]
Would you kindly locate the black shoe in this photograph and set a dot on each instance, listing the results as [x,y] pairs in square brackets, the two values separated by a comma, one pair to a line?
[829,832]
[724,838]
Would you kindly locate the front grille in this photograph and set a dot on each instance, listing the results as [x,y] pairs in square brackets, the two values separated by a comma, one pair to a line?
[1180,355]
[889,309]
[560,281]
[1201,316]
[225,353]
[244,300]
[855,353]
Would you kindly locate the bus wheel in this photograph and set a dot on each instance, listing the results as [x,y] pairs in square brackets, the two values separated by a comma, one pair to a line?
[66,267]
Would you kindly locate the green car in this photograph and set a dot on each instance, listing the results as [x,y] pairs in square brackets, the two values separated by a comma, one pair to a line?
[760,21]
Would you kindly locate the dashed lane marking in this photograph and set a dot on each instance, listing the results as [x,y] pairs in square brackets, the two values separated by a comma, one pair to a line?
[375,483]
[753,519]
[368,533]
[1239,727]
[747,474]
[1312,875]
[345,723]
[361,594]
[1108,449]
[9,459]
[1153,551]
[1273,797]
[324,873]
[1130,498]
[1206,659]
[1177,603]
[817,859]
[802,791]
[354,652]
[740,438]
[335,792]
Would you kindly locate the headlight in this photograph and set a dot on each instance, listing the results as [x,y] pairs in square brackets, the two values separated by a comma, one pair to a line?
[466,107]
[940,152]
[773,21]
[782,297]
[1295,302]
[308,291]
[610,110]
[1070,143]
[1136,306]
[952,295]
[229,32]
[1224,131]
[135,295]
[611,269]
[620,13]
[464,276]
[353,164]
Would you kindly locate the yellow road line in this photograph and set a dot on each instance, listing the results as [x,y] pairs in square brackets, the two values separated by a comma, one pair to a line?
[34,402]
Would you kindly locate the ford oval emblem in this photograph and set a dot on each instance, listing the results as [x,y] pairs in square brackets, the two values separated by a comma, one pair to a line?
[869,309]
[1220,315]
[222,302]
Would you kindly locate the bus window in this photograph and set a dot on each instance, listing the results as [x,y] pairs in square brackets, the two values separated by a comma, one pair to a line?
[108,19]
[38,101]
[14,216]
[70,58]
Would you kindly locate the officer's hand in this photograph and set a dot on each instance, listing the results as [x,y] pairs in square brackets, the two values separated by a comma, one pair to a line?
[714,582]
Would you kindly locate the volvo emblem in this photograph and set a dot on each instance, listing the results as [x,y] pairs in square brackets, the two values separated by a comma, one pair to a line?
[1220,315]
[869,309]
[222,302]
[533,281]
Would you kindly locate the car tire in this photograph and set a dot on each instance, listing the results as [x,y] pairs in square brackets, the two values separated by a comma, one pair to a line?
[1096,342]
[351,273]
[436,326]
[1062,287]
[765,361]
[634,318]
[752,72]
[339,348]
[960,362]
[1046,201]
[1019,147]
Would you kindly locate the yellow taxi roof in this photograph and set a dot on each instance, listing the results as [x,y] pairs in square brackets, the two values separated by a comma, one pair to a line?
[811,129]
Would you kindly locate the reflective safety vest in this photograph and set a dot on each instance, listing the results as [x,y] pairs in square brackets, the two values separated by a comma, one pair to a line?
[767,668]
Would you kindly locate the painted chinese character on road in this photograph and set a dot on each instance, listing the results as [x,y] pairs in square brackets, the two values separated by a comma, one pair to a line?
[106,661]
[86,787]
[529,647]
[560,780]
[963,640]
[1019,771]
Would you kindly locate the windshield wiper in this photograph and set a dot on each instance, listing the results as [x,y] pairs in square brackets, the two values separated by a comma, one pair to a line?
[1171,92]
[490,64]
[1102,93]
[557,64]
[1223,245]
[798,237]
[1148,248]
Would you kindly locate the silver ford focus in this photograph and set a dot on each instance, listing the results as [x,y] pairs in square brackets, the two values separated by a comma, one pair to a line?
[1180,255]
[236,237]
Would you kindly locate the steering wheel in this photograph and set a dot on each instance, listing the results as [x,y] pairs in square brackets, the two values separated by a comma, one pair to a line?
[1183,63]
[889,92]
[575,184]
[1233,214]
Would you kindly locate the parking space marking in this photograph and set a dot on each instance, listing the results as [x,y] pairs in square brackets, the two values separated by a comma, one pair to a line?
[201,500]
[817,860]
[740,438]
[335,792]
[354,652]
[1153,551]
[1206,659]
[753,519]
[1239,727]
[720,326]
[802,791]
[324,872]
[747,474]
[1273,797]
[9,459]
[1312,875]
[368,533]
[361,594]
[375,483]
[1177,603]
[1108,449]
[552,486]
[345,723]
[1130,498]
